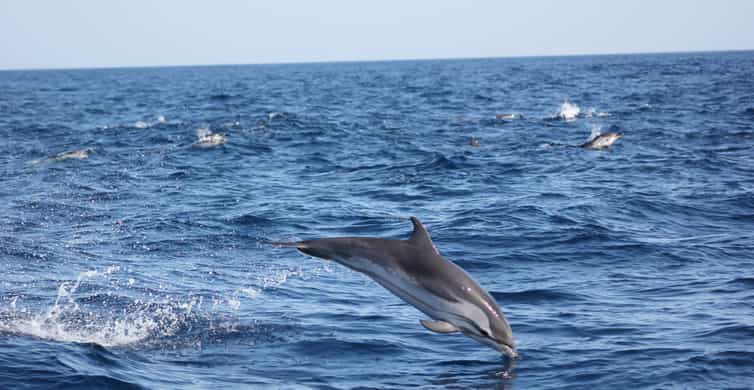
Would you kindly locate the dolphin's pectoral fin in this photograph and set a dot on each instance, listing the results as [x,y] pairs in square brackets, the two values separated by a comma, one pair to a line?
[439,326]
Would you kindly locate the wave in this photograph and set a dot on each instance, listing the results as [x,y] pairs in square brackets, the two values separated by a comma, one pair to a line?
[59,376]
[536,296]
[224,97]
[441,162]
[252,220]
[731,332]
[334,346]
[726,358]
[742,281]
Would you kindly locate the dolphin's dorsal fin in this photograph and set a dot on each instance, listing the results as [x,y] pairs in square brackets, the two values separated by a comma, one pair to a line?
[420,236]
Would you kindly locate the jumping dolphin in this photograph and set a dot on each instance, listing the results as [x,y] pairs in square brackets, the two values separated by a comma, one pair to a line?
[602,141]
[415,271]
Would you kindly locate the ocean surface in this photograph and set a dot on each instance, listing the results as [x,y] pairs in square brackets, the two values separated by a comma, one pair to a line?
[132,241]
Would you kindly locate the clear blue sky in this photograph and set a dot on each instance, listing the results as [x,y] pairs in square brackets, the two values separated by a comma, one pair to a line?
[103,33]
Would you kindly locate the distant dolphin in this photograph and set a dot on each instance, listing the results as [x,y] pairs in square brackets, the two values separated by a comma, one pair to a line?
[75,154]
[509,117]
[415,271]
[602,141]
[206,138]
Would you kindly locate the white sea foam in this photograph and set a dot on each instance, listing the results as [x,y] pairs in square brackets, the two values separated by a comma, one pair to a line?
[108,332]
[250,292]
[66,321]
[277,278]
[160,119]
[153,319]
[568,111]
[206,138]
[274,280]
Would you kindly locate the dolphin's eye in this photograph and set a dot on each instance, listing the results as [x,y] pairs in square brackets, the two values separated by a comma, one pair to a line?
[481,330]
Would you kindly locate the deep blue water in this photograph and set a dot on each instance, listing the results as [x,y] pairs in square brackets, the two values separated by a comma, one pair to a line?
[143,265]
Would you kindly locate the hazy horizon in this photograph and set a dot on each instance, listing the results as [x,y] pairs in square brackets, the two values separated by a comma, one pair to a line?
[345,61]
[85,34]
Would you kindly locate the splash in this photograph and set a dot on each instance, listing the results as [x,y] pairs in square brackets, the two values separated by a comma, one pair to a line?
[592,112]
[203,131]
[206,138]
[568,111]
[275,280]
[159,120]
[68,320]
[596,131]
[250,292]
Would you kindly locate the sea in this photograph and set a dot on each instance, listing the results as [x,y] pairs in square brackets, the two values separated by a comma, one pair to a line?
[136,207]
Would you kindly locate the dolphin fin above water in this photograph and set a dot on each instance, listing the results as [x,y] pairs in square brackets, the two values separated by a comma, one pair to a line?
[415,271]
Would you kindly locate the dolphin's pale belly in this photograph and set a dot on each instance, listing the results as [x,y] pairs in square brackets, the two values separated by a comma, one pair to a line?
[603,142]
[394,280]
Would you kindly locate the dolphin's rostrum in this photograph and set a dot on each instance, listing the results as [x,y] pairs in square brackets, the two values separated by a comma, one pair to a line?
[415,271]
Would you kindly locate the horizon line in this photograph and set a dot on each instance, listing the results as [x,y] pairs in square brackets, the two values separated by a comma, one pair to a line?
[106,67]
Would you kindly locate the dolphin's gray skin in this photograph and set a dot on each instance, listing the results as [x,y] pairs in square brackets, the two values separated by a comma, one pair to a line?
[415,271]
[602,141]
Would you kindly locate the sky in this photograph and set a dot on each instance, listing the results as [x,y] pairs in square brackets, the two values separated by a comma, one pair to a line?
[100,33]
